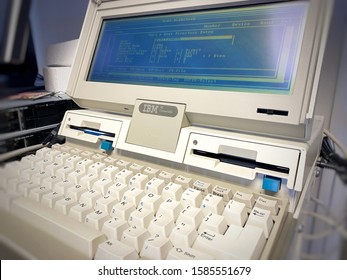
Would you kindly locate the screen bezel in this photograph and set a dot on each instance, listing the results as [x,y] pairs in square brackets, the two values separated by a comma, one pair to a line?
[231,105]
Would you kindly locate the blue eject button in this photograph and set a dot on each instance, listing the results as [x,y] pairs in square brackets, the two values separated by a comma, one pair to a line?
[106,145]
[271,183]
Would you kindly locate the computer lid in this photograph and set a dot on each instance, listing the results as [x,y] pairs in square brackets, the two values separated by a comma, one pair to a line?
[249,66]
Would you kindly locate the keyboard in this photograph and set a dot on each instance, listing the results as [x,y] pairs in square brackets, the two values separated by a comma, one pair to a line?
[68,202]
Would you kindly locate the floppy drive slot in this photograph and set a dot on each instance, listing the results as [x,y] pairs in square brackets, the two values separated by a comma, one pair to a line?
[244,162]
[242,158]
[91,131]
[83,126]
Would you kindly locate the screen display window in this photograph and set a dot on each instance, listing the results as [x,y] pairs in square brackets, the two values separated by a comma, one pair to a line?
[251,49]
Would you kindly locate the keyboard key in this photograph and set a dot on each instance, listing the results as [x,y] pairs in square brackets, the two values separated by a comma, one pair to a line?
[96,219]
[246,198]
[42,164]
[135,237]
[96,168]
[261,218]
[37,193]
[63,186]
[49,199]
[80,211]
[190,215]
[170,208]
[151,172]
[114,228]
[50,155]
[235,213]
[223,192]
[102,185]
[268,204]
[110,161]
[98,157]
[161,225]
[183,235]
[64,171]
[39,177]
[75,176]
[28,173]
[155,186]
[191,197]
[136,168]
[52,168]
[64,205]
[105,203]
[88,180]
[28,161]
[25,187]
[61,158]
[156,248]
[41,153]
[133,196]
[109,172]
[123,164]
[166,176]
[117,190]
[232,245]
[141,217]
[212,203]
[203,187]
[122,210]
[151,202]
[185,182]
[13,183]
[139,181]
[214,223]
[76,191]
[173,191]
[90,197]
[84,164]
[72,161]
[76,151]
[115,250]
[51,181]
[123,176]
[86,154]
[186,253]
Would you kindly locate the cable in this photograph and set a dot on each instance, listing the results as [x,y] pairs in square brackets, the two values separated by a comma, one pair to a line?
[18,152]
[50,140]
[336,141]
[330,159]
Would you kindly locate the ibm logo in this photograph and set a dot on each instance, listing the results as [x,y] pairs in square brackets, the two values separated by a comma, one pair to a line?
[159,110]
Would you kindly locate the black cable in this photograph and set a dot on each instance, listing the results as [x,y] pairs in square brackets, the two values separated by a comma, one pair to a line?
[331,160]
[53,138]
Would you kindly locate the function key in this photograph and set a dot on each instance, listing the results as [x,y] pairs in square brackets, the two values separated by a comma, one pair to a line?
[204,187]
[184,181]
[268,204]
[151,172]
[123,164]
[246,198]
[86,154]
[166,176]
[223,192]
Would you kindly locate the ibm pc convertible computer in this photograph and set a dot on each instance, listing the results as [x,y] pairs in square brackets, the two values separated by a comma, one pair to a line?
[198,137]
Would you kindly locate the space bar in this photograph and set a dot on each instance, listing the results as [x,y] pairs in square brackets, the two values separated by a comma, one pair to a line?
[75,235]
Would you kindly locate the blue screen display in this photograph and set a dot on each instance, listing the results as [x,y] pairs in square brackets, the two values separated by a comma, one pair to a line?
[252,49]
